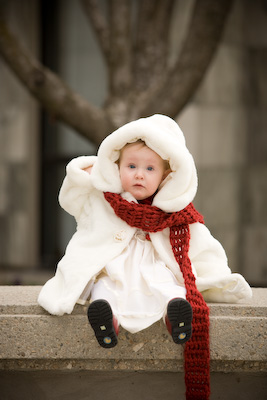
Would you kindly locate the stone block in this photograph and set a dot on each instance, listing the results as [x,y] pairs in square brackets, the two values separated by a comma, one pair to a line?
[31,338]
[254,196]
[226,82]
[229,237]
[254,254]
[257,138]
[217,197]
[49,357]
[132,385]
[216,136]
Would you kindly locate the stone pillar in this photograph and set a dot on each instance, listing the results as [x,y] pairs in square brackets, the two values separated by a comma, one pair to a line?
[19,144]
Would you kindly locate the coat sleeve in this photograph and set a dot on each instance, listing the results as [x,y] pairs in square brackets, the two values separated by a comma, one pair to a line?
[213,275]
[77,185]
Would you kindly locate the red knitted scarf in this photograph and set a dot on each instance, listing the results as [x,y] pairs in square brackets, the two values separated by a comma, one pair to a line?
[152,219]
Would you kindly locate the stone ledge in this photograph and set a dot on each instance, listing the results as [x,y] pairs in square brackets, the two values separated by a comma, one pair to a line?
[33,339]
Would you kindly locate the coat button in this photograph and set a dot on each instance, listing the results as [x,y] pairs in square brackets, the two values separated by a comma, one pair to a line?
[120,236]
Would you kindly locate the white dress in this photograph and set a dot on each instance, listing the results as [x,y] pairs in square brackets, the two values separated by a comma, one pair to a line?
[137,285]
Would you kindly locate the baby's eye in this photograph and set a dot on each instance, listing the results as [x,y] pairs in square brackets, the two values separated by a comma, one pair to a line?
[150,168]
[131,166]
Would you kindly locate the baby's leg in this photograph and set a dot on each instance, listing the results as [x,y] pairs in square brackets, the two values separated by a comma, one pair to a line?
[179,320]
[103,322]
[86,293]
[178,315]
[101,318]
[100,291]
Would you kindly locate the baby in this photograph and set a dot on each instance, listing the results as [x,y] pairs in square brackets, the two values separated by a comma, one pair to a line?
[141,252]
[137,284]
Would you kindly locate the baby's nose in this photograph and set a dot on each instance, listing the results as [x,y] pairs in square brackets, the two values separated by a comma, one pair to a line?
[139,173]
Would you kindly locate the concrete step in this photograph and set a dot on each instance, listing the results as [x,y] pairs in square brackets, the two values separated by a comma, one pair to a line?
[32,341]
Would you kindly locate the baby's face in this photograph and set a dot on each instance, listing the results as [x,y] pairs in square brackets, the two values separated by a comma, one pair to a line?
[141,170]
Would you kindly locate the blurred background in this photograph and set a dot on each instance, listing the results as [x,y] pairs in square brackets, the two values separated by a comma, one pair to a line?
[224,121]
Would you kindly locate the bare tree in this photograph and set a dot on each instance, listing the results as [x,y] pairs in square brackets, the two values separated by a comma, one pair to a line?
[134,38]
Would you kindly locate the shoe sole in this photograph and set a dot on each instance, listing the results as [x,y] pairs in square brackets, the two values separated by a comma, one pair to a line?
[180,315]
[100,317]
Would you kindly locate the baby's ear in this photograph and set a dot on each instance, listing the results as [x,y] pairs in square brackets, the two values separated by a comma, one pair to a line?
[166,173]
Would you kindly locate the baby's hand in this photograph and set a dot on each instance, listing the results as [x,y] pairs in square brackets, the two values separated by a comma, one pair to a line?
[88,169]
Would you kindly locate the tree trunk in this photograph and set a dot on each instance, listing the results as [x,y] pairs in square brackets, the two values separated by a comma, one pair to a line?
[134,39]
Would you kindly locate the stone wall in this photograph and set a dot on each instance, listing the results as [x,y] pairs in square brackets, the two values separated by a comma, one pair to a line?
[225,126]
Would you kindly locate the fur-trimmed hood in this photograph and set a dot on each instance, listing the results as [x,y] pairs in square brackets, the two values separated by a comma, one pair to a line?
[163,135]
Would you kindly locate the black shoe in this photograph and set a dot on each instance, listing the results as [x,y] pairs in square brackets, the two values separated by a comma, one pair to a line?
[103,323]
[179,319]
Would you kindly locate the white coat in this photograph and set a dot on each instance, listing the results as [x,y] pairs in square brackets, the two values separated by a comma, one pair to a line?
[102,236]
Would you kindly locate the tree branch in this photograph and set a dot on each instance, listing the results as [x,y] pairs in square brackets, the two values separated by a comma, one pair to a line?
[118,103]
[121,48]
[54,95]
[151,46]
[154,89]
[99,24]
[170,95]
